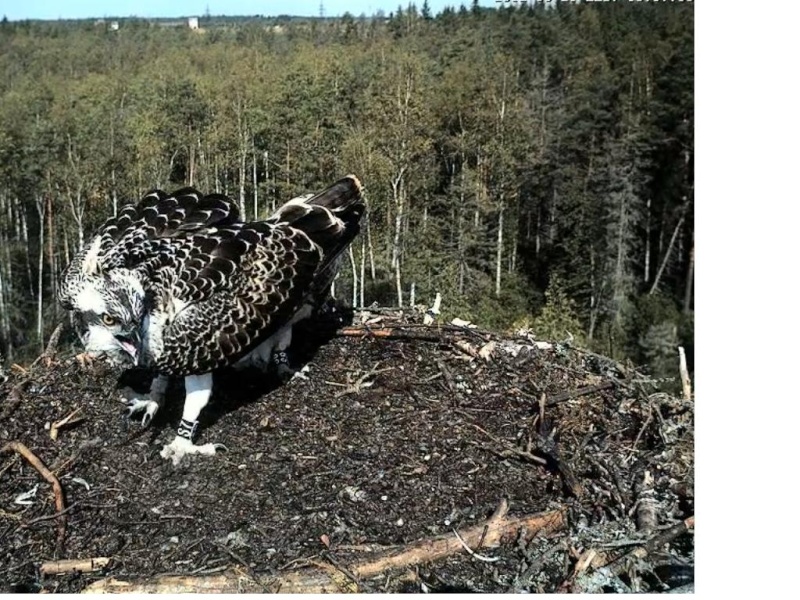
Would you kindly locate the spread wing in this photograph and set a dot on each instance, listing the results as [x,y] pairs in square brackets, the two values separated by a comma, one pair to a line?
[229,288]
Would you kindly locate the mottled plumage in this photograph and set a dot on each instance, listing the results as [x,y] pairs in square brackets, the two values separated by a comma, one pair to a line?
[180,283]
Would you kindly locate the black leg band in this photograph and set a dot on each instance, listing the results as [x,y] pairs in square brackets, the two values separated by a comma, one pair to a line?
[187,429]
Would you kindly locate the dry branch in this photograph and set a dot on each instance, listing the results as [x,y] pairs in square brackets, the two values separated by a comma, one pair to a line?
[37,464]
[81,565]
[389,333]
[321,579]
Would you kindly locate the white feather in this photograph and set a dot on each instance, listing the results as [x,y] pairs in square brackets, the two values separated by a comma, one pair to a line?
[89,299]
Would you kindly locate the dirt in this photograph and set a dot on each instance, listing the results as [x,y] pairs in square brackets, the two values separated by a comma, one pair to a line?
[429,441]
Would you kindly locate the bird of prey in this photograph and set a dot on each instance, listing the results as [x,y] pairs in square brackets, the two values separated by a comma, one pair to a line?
[181,284]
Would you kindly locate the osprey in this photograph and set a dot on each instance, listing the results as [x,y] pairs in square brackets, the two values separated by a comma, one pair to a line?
[179,283]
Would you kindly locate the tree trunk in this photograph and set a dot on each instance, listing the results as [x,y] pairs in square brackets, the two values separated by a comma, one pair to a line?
[40,208]
[363,268]
[255,182]
[355,275]
[687,298]
[668,253]
[499,266]
[647,241]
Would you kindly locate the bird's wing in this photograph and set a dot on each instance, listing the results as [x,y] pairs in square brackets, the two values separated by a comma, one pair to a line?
[230,290]
[130,239]
[232,287]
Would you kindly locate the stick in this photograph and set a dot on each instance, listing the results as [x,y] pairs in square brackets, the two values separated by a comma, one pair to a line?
[37,464]
[316,580]
[68,420]
[50,351]
[81,565]
[564,396]
[387,333]
[685,381]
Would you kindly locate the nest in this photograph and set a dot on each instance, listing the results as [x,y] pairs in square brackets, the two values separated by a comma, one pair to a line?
[413,457]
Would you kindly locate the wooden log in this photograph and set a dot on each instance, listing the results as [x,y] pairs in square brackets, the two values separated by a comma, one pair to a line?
[323,578]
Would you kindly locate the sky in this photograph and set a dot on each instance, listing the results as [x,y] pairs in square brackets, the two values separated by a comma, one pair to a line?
[83,9]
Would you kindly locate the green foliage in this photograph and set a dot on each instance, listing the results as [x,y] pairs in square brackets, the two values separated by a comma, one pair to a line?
[558,319]
[509,155]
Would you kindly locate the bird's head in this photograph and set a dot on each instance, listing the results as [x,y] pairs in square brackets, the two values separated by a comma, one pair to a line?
[108,310]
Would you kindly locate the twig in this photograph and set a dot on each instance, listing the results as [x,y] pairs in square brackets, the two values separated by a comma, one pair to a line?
[359,585]
[81,565]
[564,396]
[509,451]
[602,559]
[448,377]
[355,388]
[50,350]
[68,420]
[37,464]
[474,554]
[647,422]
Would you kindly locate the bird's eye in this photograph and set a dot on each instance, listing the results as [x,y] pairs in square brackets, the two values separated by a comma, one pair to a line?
[109,320]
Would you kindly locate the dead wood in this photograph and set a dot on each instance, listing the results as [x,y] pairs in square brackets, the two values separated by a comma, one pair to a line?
[52,345]
[81,565]
[686,383]
[388,333]
[550,457]
[321,578]
[37,464]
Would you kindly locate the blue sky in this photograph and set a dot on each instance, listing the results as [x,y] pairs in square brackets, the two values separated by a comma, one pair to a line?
[81,9]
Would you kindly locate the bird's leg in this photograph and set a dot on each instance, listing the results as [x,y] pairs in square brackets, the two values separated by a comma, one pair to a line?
[280,357]
[198,392]
[158,389]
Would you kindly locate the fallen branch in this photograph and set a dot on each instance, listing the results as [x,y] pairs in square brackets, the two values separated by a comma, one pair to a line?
[390,333]
[81,565]
[316,579]
[37,464]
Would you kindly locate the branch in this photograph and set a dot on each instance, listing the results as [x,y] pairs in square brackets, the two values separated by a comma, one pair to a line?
[318,579]
[37,464]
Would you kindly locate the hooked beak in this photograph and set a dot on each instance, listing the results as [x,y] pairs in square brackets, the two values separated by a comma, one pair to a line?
[130,342]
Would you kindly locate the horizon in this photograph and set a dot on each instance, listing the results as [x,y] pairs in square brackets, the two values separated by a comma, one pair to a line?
[52,10]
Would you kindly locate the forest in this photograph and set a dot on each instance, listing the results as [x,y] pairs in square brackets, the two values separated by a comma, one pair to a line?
[532,163]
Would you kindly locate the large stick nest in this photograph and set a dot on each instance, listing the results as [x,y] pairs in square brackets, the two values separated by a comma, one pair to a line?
[402,437]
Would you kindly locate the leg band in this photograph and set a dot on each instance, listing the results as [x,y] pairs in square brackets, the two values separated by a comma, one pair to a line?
[187,429]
